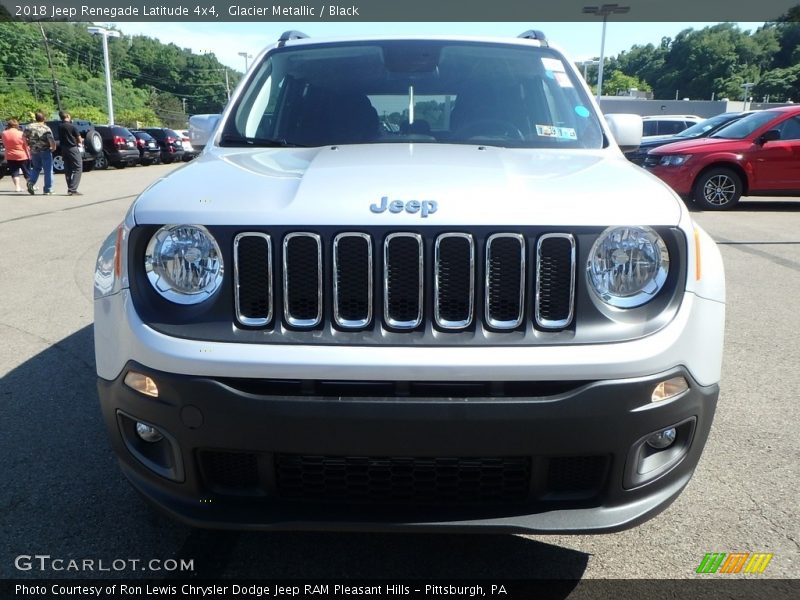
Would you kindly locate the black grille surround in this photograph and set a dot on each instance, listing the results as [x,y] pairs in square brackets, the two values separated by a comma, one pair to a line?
[216,319]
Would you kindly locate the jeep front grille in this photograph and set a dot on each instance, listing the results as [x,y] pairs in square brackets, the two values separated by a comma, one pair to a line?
[404,281]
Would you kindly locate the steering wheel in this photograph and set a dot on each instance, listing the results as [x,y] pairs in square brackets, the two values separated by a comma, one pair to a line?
[489,127]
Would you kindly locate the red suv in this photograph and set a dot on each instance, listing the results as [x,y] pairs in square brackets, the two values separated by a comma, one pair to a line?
[757,155]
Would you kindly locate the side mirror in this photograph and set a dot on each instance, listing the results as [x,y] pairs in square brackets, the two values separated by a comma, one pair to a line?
[626,129]
[769,136]
[201,128]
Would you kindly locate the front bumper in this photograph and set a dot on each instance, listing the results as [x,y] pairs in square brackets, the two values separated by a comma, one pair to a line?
[577,445]
[680,179]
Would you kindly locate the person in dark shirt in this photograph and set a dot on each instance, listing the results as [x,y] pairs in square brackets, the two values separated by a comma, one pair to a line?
[71,142]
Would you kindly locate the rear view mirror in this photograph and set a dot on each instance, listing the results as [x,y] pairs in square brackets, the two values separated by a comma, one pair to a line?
[769,136]
[626,129]
[201,128]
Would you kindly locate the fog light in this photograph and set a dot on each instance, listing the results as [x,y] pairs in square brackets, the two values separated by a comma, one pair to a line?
[149,433]
[141,383]
[662,439]
[669,389]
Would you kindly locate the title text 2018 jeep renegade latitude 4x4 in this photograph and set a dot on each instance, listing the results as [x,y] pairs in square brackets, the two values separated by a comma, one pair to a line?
[414,283]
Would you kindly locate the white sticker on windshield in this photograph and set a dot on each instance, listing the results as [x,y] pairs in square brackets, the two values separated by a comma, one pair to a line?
[546,131]
[563,79]
[562,133]
[553,64]
[566,133]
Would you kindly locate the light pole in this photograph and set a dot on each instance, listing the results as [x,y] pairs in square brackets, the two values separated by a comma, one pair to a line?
[603,11]
[106,33]
[746,94]
[586,64]
[245,56]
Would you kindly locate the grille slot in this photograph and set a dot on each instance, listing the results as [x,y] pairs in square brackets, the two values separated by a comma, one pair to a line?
[230,472]
[252,266]
[576,476]
[302,279]
[403,280]
[454,280]
[555,280]
[505,280]
[352,280]
[403,480]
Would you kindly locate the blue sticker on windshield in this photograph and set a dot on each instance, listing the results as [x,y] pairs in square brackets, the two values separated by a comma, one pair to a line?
[582,111]
[550,74]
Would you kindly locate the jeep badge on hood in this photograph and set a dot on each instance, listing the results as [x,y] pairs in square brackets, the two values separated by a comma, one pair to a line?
[424,208]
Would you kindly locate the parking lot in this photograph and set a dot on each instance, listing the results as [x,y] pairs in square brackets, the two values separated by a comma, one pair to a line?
[64,496]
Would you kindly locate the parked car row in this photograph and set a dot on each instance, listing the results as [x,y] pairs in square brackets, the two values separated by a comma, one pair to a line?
[753,154]
[699,130]
[117,146]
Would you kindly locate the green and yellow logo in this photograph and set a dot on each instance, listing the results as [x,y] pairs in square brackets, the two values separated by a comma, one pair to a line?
[736,562]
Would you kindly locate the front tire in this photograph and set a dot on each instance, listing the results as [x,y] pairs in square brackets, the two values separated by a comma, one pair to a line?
[58,163]
[718,189]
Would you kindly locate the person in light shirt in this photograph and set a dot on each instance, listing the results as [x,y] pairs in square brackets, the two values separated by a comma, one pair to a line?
[18,154]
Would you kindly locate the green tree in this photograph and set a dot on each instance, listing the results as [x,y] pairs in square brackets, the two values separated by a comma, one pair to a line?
[617,83]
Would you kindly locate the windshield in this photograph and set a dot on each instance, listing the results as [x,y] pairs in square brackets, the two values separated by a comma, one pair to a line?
[413,91]
[698,129]
[745,126]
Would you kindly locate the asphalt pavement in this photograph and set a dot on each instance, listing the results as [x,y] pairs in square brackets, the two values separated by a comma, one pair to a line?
[62,494]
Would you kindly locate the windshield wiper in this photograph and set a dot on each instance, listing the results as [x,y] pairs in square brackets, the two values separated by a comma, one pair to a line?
[239,140]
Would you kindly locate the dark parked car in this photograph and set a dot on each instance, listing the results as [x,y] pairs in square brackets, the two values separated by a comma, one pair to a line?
[699,130]
[149,150]
[119,147]
[170,143]
[92,144]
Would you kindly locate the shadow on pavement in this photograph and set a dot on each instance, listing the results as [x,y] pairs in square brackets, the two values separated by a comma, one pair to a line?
[754,205]
[64,496]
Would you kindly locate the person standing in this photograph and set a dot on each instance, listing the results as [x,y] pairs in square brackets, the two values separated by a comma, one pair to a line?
[41,144]
[70,141]
[17,153]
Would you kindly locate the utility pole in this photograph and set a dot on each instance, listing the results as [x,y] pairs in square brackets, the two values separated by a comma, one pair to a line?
[106,33]
[227,85]
[35,86]
[52,72]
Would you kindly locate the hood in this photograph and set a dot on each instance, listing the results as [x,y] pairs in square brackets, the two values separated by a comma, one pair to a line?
[348,185]
[660,140]
[707,144]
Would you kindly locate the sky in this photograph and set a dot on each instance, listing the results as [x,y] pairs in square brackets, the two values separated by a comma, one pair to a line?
[581,41]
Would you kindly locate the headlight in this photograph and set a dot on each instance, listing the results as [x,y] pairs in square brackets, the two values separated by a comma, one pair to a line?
[673,160]
[628,266]
[183,263]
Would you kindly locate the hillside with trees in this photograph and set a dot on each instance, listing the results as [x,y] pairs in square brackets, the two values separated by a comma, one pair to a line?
[713,62]
[154,84]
